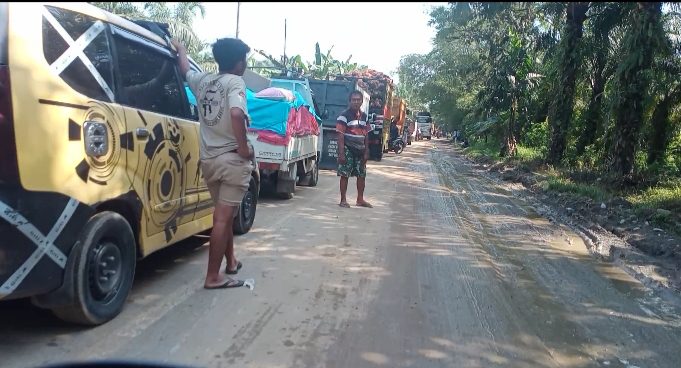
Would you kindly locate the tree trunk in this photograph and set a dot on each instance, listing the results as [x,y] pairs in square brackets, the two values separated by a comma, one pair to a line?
[660,134]
[592,116]
[561,108]
[521,123]
[641,43]
[510,146]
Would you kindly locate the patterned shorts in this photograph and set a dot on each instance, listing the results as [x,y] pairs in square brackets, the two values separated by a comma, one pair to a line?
[353,165]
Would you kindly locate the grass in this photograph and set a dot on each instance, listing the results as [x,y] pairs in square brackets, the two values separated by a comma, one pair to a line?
[529,154]
[660,204]
[564,185]
[668,198]
[481,149]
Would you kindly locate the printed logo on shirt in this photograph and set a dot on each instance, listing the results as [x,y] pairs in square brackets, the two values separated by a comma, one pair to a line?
[212,102]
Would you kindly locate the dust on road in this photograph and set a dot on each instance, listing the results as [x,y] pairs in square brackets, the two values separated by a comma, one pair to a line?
[448,270]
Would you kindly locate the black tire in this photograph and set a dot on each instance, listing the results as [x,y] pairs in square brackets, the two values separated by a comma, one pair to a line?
[428,138]
[246,216]
[293,169]
[399,148]
[105,269]
[314,175]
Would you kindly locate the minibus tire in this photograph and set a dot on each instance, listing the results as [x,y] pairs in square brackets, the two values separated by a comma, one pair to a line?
[246,211]
[104,271]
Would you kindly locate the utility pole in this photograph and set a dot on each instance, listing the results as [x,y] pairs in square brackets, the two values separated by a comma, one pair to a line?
[238,7]
[284,41]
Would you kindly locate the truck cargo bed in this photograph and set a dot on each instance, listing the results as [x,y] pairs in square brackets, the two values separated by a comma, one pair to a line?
[297,149]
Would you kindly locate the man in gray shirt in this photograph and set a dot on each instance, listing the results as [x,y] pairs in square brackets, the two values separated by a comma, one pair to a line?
[224,149]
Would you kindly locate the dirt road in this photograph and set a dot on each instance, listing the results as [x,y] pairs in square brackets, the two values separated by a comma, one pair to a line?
[448,270]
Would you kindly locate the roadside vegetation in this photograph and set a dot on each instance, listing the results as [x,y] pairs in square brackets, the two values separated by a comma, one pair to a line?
[585,94]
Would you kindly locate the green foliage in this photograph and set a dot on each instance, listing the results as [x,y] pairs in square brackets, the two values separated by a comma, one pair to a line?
[666,197]
[530,153]
[482,149]
[643,41]
[179,17]
[498,70]
[537,135]
[564,185]
[324,65]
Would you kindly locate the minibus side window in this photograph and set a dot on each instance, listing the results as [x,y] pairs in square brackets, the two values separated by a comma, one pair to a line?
[90,73]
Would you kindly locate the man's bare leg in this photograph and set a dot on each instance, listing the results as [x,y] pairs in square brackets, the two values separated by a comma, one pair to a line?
[220,238]
[232,262]
[361,182]
[343,190]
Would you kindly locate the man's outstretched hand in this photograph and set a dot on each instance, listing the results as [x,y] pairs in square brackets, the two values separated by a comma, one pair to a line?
[178,46]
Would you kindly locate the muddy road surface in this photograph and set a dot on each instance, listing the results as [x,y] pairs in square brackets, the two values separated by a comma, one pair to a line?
[449,269]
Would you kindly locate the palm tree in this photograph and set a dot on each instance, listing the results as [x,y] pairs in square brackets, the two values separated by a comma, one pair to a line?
[179,19]
[644,39]
[123,9]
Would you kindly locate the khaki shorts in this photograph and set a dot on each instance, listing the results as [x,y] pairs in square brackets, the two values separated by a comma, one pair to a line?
[227,177]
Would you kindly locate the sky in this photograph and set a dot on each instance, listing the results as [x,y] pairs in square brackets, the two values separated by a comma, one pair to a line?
[375,34]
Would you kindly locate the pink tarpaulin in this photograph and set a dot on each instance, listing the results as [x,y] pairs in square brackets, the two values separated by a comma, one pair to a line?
[300,123]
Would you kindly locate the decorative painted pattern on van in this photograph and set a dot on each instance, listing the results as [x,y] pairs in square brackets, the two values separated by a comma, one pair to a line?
[163,165]
[42,227]
[75,50]
[101,169]
[165,177]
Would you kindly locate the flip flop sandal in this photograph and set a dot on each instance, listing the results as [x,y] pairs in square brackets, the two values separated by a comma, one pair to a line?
[238,267]
[231,283]
[365,204]
[344,205]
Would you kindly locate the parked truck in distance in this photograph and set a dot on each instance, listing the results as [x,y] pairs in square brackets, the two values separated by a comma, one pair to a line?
[424,124]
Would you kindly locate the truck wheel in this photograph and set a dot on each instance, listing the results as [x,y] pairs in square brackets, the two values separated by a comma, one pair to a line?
[287,191]
[311,178]
[314,179]
[314,175]
[105,269]
[428,138]
[244,219]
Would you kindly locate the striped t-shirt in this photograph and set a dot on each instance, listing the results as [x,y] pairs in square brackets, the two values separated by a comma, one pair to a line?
[354,127]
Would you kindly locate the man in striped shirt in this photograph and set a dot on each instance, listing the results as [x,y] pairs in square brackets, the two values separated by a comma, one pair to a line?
[353,152]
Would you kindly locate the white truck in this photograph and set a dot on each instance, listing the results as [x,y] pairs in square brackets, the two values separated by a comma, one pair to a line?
[297,163]
[424,124]
[284,167]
